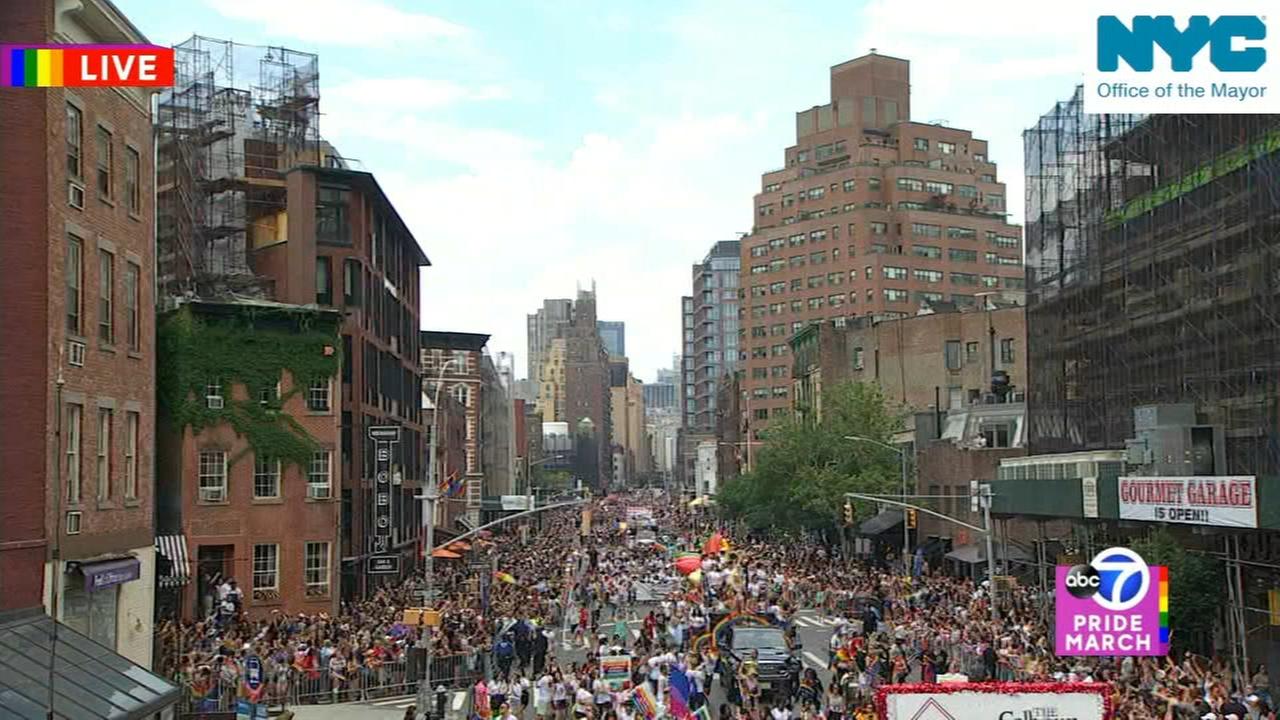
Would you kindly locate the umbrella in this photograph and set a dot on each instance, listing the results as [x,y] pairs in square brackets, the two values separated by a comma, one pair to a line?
[695,577]
[445,554]
[687,564]
[460,546]
[714,544]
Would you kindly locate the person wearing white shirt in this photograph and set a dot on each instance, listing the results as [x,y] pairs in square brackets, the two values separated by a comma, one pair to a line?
[603,696]
[542,697]
[582,703]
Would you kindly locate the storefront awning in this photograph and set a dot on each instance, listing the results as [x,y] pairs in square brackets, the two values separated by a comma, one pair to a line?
[174,549]
[883,521]
[104,574]
[977,552]
[92,682]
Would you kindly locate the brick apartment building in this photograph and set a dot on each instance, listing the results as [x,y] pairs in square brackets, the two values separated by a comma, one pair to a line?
[872,214]
[451,452]
[943,360]
[249,433]
[586,398]
[456,359]
[75,309]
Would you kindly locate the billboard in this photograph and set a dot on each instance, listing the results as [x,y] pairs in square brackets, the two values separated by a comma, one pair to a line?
[971,701]
[1218,500]
[1116,605]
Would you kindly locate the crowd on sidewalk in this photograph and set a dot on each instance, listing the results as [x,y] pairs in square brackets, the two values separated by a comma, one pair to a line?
[556,593]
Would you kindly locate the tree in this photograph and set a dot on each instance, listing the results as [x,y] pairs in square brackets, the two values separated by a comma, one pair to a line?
[1195,589]
[805,467]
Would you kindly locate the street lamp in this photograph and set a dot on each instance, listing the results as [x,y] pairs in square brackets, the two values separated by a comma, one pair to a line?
[906,531]
[430,495]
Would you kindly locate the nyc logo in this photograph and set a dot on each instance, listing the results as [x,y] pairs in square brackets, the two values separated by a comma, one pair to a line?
[1136,44]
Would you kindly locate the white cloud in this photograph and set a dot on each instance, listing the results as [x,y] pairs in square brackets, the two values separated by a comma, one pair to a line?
[364,23]
[408,93]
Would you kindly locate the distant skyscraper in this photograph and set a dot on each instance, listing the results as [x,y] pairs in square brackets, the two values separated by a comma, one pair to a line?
[613,333]
[545,325]
[710,331]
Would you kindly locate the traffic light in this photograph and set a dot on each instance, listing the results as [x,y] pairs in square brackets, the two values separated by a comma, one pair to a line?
[848,514]
[911,519]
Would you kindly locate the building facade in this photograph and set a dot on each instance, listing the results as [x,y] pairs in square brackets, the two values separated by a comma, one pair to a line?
[543,326]
[945,360]
[872,214]
[497,451]
[710,330]
[628,421]
[613,335]
[587,397]
[76,528]
[250,432]
[456,359]
[552,382]
[451,452]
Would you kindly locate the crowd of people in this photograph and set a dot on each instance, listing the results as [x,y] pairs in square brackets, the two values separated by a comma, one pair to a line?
[532,646]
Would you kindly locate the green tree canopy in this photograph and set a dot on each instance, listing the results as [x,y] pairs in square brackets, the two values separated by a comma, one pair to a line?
[805,467]
[1195,589]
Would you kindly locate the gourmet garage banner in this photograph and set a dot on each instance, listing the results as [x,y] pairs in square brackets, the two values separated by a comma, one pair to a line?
[995,701]
[1220,500]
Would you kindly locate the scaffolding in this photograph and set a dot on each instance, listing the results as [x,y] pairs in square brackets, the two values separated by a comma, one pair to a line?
[1153,277]
[237,118]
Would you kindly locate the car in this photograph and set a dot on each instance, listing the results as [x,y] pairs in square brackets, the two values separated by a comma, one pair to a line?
[771,648]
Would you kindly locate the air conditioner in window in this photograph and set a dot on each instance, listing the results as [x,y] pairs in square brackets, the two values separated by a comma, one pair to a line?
[72,524]
[213,494]
[214,402]
[318,492]
[75,353]
[75,195]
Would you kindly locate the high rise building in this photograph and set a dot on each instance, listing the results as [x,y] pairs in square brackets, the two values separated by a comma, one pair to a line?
[660,395]
[78,319]
[545,325]
[628,420]
[459,360]
[1151,281]
[710,328]
[551,388]
[872,214]
[613,335]
[586,396]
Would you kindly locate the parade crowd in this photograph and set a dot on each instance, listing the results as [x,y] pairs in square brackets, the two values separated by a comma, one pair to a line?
[534,647]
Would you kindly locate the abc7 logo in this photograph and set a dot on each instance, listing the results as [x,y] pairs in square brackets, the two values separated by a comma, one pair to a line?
[1117,579]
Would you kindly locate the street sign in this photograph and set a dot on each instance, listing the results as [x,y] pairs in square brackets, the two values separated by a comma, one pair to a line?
[383,565]
[385,433]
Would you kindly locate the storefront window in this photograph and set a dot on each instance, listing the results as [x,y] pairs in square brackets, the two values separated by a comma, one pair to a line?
[90,613]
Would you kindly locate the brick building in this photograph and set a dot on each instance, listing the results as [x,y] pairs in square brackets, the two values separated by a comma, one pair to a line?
[249,433]
[872,214]
[75,309]
[586,399]
[457,358]
[451,452]
[943,360]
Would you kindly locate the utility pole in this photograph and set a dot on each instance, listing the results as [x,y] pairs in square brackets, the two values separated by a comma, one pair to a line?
[429,497]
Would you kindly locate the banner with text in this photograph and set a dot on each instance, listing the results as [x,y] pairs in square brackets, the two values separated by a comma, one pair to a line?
[1220,500]
[967,701]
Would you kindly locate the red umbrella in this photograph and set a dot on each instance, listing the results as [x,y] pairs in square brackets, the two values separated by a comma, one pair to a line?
[714,544]
[687,564]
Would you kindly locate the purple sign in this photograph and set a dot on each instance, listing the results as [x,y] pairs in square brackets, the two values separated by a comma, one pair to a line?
[1111,607]
[112,572]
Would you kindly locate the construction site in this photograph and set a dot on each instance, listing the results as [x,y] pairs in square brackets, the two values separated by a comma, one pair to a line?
[237,118]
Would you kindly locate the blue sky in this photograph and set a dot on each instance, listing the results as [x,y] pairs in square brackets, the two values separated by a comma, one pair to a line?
[535,145]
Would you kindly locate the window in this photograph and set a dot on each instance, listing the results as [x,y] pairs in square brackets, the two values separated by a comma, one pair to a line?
[816,193]
[797,306]
[132,179]
[759,290]
[778,330]
[776,308]
[318,396]
[104,161]
[894,296]
[93,613]
[802,156]
[319,475]
[979,157]
[967,191]
[936,187]
[777,265]
[955,397]
[990,281]
[835,278]
[995,201]
[316,569]
[963,255]
[776,243]
[929,276]
[788,200]
[879,228]
[132,305]
[75,282]
[946,148]
[132,425]
[213,476]
[759,331]
[324,281]
[996,435]
[894,273]
[971,352]
[857,358]
[815,303]
[835,300]
[74,415]
[75,142]
[766,209]
[1006,351]
[987,178]
[779,391]
[921,144]
[761,413]
[777,288]
[815,281]
[760,251]
[817,258]
[104,454]
[759,311]
[333,222]
[1015,283]
[951,351]
[926,230]
[849,185]
[772,187]
[963,279]
[817,236]
[929,297]
[757,353]
[759,269]
[957,233]
[1003,241]
[351,283]
[778,350]
[266,567]
[760,392]
[911,184]
[964,301]
[926,251]
[213,394]
[106,289]
[778,371]
[906,205]
[873,183]
[796,261]
[759,373]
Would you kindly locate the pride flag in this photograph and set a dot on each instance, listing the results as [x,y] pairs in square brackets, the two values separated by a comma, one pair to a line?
[644,701]
[505,577]
[680,689]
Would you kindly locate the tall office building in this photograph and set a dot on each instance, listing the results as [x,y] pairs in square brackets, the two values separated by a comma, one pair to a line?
[586,393]
[872,214]
[613,333]
[710,328]
[545,325]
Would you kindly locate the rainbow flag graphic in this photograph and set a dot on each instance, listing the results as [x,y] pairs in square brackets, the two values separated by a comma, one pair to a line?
[1164,605]
[33,67]
[646,704]
[86,66]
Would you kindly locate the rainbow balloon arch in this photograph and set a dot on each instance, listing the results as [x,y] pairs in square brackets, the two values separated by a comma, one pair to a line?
[729,620]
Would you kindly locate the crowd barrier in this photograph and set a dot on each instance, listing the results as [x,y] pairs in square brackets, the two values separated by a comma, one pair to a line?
[286,685]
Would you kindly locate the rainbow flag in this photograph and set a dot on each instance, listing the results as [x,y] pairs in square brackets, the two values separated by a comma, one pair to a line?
[679,690]
[505,577]
[644,701]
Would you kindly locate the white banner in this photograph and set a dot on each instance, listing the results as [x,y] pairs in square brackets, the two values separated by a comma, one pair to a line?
[989,705]
[1219,500]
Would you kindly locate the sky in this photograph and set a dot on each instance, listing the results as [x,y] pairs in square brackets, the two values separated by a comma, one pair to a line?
[535,146]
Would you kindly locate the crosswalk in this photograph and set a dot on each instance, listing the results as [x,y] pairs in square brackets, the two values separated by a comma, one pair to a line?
[456,704]
[816,621]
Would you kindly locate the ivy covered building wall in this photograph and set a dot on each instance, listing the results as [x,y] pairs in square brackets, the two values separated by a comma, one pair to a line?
[248,442]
